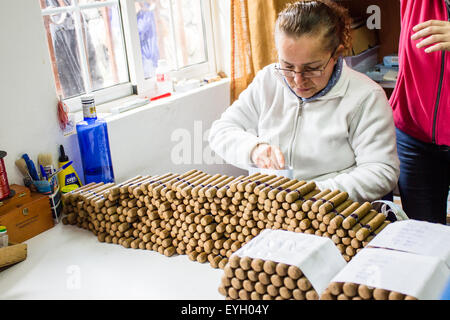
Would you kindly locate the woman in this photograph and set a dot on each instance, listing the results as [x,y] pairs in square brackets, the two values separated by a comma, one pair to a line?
[421,104]
[311,112]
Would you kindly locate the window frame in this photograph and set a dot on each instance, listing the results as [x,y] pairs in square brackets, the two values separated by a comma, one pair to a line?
[137,83]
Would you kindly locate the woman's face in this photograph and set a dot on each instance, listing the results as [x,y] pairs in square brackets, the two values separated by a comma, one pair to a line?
[305,53]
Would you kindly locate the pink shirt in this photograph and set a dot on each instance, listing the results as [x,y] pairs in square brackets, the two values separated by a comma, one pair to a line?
[421,98]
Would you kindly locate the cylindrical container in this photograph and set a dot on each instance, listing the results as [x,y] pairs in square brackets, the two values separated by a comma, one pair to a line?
[4,185]
[3,237]
[94,145]
[163,79]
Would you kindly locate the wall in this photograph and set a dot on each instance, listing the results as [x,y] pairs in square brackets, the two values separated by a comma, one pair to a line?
[28,114]
[28,121]
[171,137]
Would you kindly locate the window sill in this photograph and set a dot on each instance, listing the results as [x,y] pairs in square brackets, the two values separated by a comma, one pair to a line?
[104,110]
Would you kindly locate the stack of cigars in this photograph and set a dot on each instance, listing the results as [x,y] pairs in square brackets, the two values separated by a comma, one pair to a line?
[209,217]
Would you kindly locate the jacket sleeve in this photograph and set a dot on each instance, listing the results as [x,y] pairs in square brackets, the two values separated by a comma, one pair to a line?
[235,134]
[373,139]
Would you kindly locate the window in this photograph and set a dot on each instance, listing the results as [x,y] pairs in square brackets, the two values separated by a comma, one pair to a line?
[112,47]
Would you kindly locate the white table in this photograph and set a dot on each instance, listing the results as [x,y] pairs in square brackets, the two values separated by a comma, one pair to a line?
[67,262]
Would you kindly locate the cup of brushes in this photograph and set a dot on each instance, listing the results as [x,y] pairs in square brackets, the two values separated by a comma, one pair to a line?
[49,183]
[46,182]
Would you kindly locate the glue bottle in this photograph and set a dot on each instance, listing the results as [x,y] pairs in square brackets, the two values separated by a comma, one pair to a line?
[68,179]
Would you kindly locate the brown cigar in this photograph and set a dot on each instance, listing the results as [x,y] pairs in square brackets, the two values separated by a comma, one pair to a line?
[337,220]
[352,232]
[306,206]
[317,204]
[300,192]
[370,226]
[359,213]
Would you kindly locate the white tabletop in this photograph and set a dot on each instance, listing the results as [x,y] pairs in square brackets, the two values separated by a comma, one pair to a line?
[66,262]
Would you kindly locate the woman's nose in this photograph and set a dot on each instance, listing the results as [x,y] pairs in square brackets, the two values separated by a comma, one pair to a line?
[299,78]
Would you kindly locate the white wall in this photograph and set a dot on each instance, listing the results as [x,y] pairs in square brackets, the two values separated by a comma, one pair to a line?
[28,114]
[28,122]
[171,137]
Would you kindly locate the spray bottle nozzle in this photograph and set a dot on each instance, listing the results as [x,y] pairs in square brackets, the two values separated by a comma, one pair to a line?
[62,157]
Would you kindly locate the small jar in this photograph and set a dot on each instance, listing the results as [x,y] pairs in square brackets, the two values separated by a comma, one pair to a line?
[3,237]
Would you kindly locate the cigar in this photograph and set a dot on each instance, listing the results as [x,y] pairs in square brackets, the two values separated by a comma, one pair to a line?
[312,295]
[380,294]
[211,185]
[249,187]
[352,232]
[269,185]
[280,193]
[370,226]
[300,192]
[192,189]
[377,231]
[359,213]
[298,294]
[306,206]
[327,217]
[337,220]
[212,192]
[317,204]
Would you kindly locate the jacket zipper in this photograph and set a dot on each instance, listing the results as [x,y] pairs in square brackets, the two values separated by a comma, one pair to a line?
[297,117]
[441,80]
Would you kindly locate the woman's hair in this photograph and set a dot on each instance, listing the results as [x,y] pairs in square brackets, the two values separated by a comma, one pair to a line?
[316,17]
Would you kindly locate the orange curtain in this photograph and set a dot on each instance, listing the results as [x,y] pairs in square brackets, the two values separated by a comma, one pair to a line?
[252,37]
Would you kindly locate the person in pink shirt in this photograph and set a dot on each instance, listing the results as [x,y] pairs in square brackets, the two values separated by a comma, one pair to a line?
[421,108]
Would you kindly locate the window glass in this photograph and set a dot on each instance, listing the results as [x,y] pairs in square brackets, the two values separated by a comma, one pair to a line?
[86,45]
[105,47]
[172,30]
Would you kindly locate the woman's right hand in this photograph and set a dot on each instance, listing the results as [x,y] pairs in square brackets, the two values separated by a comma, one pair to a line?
[266,156]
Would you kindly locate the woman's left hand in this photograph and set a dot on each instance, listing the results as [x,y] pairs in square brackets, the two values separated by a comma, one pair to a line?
[436,34]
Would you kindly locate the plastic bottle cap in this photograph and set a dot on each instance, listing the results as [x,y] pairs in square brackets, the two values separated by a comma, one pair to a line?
[88,98]
[162,63]
[62,156]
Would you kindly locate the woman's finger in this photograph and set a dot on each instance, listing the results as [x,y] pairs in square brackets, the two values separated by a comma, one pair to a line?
[279,158]
[438,47]
[430,41]
[428,31]
[427,24]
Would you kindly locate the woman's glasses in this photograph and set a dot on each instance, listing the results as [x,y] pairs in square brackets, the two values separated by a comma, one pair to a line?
[288,73]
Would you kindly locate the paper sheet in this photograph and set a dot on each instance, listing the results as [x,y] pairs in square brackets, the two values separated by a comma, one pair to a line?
[423,277]
[317,257]
[430,239]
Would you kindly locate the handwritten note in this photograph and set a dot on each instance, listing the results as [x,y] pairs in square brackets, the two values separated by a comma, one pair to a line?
[420,237]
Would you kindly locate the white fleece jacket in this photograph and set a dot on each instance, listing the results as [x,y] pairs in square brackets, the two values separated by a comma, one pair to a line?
[343,140]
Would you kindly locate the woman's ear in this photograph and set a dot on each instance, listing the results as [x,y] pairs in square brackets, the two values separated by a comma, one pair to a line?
[340,50]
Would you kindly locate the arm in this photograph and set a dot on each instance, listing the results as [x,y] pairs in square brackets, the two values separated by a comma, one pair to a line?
[234,135]
[372,136]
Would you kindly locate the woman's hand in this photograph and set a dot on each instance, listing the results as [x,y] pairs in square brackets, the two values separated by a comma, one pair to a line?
[266,156]
[436,34]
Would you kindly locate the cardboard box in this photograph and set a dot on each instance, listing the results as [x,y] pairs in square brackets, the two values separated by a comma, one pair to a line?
[28,219]
[362,39]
